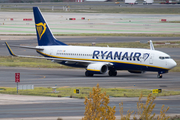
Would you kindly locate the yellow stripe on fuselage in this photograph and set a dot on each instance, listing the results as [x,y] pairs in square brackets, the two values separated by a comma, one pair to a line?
[101,60]
[93,70]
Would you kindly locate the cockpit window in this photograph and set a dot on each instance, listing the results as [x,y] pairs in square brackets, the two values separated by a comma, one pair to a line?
[167,57]
[162,58]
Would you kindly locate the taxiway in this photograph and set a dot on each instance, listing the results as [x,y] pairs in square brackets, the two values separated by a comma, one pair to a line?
[31,107]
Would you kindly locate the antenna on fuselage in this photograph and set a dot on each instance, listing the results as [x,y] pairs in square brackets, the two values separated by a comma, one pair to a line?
[151,45]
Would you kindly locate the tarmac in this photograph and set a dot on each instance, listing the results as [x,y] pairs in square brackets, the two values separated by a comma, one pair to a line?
[93,23]
[22,107]
[17,107]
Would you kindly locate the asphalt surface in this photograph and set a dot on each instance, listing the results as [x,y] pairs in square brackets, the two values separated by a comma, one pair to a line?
[69,108]
[41,77]
[12,106]
[59,23]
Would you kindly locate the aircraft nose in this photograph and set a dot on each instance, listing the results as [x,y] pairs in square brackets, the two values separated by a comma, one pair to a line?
[172,64]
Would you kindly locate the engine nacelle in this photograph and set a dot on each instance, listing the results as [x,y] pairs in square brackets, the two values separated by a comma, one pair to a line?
[136,71]
[97,68]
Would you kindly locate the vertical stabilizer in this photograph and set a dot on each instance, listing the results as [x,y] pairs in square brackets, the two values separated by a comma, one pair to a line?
[44,34]
[151,45]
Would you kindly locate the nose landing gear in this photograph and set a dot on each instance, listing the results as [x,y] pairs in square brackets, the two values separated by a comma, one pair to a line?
[159,75]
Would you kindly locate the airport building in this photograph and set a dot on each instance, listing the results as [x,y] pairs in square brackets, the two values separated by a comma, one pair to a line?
[32,1]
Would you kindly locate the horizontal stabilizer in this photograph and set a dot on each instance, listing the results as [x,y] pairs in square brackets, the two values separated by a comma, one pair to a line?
[27,47]
[48,58]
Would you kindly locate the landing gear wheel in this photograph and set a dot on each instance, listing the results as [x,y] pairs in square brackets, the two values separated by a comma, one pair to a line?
[88,74]
[112,73]
[159,76]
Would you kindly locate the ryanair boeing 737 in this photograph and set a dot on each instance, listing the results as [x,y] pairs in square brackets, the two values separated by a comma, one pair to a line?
[97,60]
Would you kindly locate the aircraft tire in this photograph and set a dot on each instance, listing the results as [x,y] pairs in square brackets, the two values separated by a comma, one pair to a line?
[159,76]
[87,74]
[115,73]
[112,73]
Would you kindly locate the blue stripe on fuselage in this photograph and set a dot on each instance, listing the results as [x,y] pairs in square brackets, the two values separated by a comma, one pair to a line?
[117,64]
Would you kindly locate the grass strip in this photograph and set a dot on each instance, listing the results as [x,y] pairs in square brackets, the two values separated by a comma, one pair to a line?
[105,34]
[102,9]
[137,44]
[10,61]
[84,92]
[170,22]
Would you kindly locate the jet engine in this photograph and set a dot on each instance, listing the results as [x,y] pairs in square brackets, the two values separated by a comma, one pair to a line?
[97,68]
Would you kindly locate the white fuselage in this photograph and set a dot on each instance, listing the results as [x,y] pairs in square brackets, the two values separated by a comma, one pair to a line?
[124,56]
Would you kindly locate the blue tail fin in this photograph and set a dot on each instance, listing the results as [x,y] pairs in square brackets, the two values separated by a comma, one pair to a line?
[44,35]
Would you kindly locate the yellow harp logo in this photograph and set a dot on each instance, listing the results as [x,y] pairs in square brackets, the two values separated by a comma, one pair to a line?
[41,28]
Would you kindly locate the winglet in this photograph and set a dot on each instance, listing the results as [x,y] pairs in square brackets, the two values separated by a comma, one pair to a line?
[9,49]
[151,45]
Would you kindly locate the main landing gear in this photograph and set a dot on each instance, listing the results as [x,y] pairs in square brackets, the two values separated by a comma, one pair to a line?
[88,74]
[112,73]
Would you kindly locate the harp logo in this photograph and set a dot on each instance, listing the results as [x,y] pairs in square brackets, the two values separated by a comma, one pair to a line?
[41,28]
[145,56]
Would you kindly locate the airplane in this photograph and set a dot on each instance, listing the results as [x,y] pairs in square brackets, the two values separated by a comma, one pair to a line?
[96,60]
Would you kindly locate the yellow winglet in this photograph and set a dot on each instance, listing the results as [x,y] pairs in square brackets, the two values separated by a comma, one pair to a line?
[9,49]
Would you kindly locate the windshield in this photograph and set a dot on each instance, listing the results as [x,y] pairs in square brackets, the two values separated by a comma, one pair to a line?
[163,57]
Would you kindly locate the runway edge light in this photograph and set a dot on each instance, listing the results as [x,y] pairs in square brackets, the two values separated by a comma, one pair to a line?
[77,91]
[157,91]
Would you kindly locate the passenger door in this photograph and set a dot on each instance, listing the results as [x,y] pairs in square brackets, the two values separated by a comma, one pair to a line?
[151,59]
